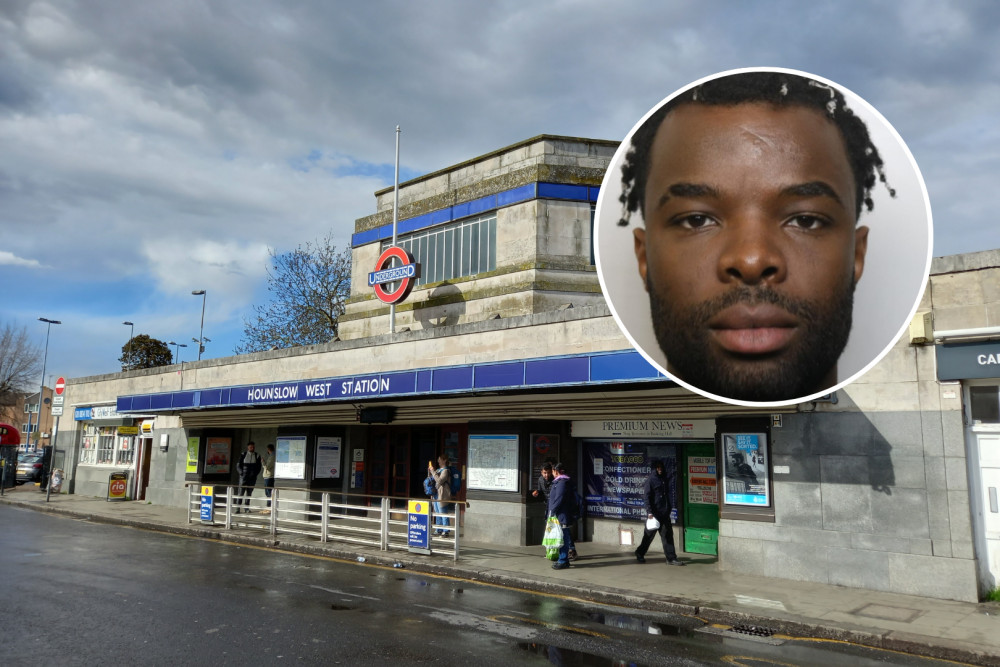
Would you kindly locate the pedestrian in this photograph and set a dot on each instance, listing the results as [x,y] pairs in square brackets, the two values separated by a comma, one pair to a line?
[248,468]
[268,468]
[656,496]
[442,480]
[544,489]
[544,483]
[43,481]
[564,504]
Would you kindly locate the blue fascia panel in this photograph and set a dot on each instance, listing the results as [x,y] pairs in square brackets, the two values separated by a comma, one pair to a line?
[424,381]
[594,191]
[211,397]
[621,366]
[569,370]
[140,403]
[452,379]
[517,195]
[563,191]
[123,404]
[184,399]
[161,401]
[499,375]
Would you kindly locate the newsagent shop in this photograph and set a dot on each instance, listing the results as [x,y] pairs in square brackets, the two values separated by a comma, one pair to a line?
[504,355]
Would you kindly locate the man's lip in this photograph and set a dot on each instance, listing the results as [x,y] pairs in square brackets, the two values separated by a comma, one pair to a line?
[754,330]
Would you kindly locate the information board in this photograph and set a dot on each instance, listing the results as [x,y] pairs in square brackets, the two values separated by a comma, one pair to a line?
[290,457]
[327,458]
[217,455]
[744,474]
[493,462]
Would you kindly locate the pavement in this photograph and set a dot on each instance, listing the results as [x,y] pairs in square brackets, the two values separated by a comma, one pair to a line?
[959,631]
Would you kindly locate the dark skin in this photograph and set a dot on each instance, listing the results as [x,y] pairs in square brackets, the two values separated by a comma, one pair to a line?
[751,244]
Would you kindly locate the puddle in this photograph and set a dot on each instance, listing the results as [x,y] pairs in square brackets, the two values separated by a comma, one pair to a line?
[564,656]
[644,625]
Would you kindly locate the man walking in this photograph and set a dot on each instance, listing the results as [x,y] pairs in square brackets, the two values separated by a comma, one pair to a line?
[248,468]
[564,505]
[656,494]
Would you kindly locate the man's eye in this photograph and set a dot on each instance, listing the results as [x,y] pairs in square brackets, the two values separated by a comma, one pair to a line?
[694,221]
[808,222]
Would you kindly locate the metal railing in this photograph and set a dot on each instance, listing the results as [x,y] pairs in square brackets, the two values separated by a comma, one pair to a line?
[328,516]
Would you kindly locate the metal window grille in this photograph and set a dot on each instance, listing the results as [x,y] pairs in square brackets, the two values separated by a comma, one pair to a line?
[455,250]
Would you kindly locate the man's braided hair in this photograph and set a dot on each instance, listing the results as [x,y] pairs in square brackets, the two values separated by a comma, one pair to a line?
[780,89]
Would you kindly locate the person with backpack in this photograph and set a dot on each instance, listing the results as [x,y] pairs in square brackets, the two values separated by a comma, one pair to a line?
[442,482]
[564,504]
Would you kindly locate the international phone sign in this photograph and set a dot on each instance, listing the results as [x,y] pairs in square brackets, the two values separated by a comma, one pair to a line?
[394,265]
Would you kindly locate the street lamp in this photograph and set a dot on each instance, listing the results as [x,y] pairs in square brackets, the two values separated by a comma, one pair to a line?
[177,352]
[201,332]
[41,388]
[131,335]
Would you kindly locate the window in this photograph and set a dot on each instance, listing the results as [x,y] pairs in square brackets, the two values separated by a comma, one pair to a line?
[985,404]
[458,249]
[106,444]
[24,428]
[31,407]
[126,450]
[88,444]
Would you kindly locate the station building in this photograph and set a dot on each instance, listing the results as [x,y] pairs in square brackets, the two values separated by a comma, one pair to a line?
[505,355]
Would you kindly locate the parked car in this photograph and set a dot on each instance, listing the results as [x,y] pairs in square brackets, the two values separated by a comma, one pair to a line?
[29,468]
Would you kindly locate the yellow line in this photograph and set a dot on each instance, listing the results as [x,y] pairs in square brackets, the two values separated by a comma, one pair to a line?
[551,626]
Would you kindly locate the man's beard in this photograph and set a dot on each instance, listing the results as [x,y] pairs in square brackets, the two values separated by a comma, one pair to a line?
[683,336]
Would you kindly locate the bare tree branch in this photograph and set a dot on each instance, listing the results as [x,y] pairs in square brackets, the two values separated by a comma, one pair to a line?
[308,288]
[20,363]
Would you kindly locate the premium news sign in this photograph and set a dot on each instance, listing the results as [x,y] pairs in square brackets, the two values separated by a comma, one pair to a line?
[968,361]
[645,428]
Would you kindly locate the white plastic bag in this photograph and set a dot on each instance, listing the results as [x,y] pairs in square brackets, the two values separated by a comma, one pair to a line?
[652,523]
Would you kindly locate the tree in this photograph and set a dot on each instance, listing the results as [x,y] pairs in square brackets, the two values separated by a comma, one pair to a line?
[308,288]
[20,363]
[145,352]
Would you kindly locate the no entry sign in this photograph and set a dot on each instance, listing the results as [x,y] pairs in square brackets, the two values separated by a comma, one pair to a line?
[60,386]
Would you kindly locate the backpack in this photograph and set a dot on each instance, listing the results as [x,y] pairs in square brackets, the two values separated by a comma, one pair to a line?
[456,480]
[430,488]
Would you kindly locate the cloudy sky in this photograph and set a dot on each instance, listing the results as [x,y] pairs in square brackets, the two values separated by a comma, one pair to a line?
[151,149]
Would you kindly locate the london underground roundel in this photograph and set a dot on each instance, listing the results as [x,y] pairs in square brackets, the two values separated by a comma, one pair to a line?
[405,275]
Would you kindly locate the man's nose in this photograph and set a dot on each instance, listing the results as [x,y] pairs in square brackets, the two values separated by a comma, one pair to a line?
[752,254]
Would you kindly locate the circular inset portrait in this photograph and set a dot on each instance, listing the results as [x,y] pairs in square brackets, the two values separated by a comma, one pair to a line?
[763,236]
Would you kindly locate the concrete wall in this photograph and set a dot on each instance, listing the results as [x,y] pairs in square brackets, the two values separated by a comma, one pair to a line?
[878,492]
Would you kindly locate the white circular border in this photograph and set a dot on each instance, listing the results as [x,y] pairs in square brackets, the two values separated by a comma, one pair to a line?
[894,235]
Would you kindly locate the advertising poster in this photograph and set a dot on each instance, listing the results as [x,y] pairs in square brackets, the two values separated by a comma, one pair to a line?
[744,475]
[290,457]
[615,474]
[192,455]
[327,458]
[217,455]
[544,448]
[493,462]
[702,486]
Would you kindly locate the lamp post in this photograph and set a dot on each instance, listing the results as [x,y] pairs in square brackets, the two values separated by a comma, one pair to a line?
[131,335]
[177,352]
[201,332]
[41,388]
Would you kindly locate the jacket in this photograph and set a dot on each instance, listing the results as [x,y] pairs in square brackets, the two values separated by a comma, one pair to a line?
[249,466]
[442,477]
[656,494]
[563,501]
[268,466]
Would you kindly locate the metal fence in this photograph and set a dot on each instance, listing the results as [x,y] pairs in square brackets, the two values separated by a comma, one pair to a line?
[327,516]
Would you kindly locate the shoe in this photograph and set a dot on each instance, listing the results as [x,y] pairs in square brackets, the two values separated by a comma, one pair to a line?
[560,566]
[639,557]
[674,562]
[572,554]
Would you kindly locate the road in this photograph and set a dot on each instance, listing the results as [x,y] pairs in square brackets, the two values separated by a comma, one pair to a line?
[79,593]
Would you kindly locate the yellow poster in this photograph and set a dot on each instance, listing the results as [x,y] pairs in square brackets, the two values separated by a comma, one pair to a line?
[192,455]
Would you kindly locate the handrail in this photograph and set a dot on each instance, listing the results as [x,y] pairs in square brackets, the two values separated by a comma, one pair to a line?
[323,518]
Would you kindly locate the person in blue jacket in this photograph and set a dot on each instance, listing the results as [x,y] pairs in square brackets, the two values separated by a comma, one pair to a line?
[656,496]
[565,505]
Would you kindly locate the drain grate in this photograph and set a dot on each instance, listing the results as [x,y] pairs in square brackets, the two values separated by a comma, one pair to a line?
[752,630]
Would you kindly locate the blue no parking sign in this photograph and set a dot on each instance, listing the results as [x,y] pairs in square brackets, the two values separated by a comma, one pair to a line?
[418,524]
[207,507]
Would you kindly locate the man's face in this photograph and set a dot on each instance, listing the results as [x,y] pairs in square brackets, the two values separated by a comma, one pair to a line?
[750,250]
[547,474]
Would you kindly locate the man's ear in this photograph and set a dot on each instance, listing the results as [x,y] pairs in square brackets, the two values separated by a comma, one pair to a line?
[639,236]
[860,250]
